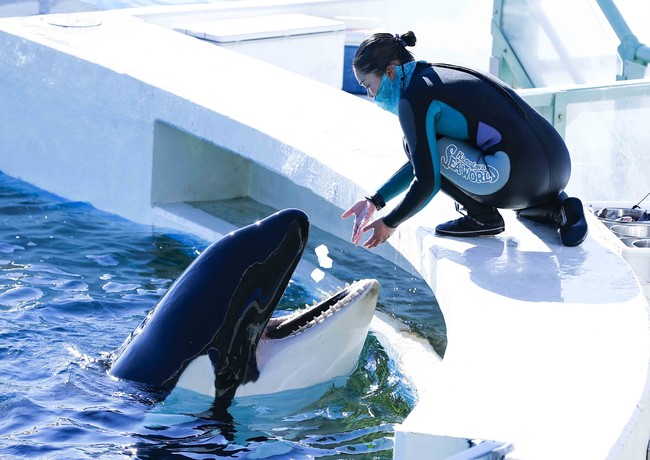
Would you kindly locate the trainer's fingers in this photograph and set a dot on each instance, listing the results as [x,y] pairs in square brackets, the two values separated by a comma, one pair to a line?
[371,242]
[347,213]
[356,234]
[378,236]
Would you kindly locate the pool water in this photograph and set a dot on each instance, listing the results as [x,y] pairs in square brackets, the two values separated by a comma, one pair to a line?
[74,282]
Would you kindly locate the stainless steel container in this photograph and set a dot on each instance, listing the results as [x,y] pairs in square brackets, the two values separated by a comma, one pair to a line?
[638,230]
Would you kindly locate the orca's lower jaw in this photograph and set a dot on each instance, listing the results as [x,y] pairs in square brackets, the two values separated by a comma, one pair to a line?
[300,321]
[316,344]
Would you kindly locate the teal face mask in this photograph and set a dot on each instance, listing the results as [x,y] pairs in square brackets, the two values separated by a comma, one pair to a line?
[390,91]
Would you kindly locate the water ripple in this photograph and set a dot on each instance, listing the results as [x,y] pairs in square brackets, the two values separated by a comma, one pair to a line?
[6,248]
[113,287]
[105,260]
[20,296]
[42,268]
[71,299]
[70,286]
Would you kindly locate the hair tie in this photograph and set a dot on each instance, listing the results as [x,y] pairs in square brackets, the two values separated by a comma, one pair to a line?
[400,40]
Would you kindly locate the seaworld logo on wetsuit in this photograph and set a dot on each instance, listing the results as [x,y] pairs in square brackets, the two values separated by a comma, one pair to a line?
[455,160]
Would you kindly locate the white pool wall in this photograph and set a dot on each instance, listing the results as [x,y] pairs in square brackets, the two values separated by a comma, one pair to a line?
[548,346]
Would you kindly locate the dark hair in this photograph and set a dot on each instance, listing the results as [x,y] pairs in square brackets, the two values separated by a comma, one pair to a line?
[377,51]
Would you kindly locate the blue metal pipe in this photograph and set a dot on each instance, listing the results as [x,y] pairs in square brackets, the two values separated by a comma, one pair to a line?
[615,18]
[630,49]
[643,53]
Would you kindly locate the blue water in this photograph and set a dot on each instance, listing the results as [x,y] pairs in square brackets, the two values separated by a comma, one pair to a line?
[74,282]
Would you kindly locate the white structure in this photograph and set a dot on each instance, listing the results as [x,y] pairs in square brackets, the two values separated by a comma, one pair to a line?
[548,346]
[296,36]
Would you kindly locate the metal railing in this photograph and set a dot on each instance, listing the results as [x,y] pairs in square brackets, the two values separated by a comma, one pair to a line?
[553,103]
[605,128]
[634,54]
[511,67]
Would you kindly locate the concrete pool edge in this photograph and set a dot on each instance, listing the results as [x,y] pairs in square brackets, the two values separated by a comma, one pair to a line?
[100,129]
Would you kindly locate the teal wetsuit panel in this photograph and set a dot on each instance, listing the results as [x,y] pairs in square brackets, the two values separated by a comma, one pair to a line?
[447,121]
[399,182]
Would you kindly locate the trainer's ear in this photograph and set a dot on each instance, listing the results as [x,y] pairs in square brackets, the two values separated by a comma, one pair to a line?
[390,72]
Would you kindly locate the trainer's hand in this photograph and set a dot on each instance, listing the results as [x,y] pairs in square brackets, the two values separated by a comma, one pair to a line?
[363,211]
[381,232]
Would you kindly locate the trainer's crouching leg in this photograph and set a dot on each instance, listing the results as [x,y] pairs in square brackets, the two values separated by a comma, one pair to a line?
[573,224]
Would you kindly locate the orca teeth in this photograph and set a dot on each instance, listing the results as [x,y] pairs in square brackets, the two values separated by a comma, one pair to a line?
[310,316]
[327,313]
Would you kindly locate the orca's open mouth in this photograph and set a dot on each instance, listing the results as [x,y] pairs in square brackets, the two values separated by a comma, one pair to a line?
[301,320]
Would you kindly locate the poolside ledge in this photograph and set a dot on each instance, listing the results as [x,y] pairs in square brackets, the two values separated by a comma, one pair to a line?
[548,346]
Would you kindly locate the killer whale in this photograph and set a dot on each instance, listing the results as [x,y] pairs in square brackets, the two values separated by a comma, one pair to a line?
[213,331]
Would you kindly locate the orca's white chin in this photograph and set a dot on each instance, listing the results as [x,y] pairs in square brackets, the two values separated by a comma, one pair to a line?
[315,344]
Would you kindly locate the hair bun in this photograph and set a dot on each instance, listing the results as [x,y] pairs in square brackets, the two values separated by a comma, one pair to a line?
[408,39]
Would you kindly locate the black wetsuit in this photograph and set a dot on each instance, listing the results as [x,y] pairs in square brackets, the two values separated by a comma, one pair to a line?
[473,137]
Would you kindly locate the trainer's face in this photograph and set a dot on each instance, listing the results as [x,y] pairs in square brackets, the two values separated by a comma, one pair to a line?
[369,81]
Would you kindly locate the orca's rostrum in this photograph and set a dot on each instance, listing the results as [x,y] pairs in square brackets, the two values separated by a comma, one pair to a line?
[212,332]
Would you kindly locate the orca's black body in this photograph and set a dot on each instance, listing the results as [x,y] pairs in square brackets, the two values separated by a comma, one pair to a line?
[218,307]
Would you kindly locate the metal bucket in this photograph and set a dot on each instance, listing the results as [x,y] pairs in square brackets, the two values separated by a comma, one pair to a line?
[628,241]
[641,243]
[632,230]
